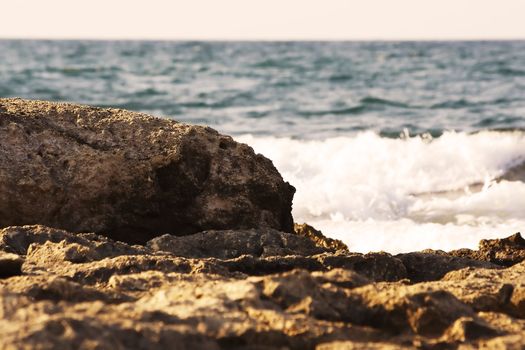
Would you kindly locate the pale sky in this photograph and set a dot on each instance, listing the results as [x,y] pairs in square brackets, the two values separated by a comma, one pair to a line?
[263,20]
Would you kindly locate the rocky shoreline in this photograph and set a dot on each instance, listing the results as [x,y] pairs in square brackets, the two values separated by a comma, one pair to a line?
[121,230]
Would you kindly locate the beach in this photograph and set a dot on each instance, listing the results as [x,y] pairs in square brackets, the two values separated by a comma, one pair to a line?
[262,195]
[123,230]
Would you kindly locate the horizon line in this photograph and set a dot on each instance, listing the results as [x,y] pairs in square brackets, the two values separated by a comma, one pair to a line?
[466,39]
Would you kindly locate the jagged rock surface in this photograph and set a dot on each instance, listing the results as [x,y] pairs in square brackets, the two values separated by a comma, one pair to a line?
[226,276]
[418,263]
[506,252]
[234,243]
[87,291]
[318,237]
[130,175]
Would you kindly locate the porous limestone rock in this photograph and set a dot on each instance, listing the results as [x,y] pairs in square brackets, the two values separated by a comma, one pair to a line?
[232,272]
[130,175]
[318,237]
[505,251]
[85,291]
[229,244]
[418,264]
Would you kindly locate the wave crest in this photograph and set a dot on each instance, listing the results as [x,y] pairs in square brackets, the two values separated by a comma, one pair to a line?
[344,182]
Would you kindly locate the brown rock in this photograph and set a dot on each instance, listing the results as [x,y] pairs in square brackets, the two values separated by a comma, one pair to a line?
[130,175]
[10,264]
[234,243]
[84,291]
[468,328]
[508,342]
[299,292]
[341,277]
[318,237]
[350,345]
[57,288]
[18,239]
[375,266]
[488,290]
[432,265]
[421,308]
[505,252]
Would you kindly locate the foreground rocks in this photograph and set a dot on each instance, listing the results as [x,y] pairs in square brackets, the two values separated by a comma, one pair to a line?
[130,175]
[163,235]
[258,289]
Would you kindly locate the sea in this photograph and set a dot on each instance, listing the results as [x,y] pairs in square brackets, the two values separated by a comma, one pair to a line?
[392,146]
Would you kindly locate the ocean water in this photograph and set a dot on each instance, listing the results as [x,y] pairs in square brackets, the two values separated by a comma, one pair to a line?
[393,146]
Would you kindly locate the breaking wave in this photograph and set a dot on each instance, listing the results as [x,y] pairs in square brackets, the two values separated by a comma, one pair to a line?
[399,195]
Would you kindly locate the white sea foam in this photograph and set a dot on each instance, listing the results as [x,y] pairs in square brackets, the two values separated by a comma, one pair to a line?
[379,193]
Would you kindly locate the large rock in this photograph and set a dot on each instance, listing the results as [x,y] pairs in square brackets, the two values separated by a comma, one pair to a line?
[130,175]
[85,291]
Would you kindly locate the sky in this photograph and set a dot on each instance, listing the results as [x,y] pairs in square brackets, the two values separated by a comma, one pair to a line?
[264,19]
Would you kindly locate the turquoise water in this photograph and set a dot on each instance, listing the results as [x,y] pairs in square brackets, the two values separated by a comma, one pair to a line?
[299,89]
[392,146]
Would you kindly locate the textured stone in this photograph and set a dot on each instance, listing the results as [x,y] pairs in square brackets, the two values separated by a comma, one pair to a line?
[432,265]
[18,239]
[85,291]
[505,252]
[10,264]
[233,272]
[467,328]
[318,237]
[234,243]
[130,175]
[421,308]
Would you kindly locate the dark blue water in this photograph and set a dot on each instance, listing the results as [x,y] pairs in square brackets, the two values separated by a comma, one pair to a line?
[301,89]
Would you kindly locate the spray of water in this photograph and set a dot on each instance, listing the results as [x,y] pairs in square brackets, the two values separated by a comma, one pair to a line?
[403,194]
